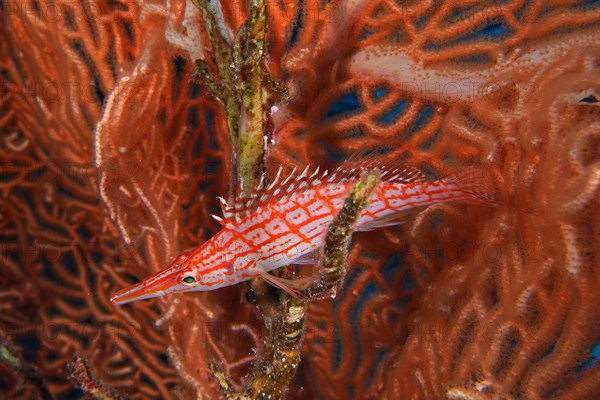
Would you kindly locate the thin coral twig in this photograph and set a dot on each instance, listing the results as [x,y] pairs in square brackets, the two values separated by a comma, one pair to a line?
[339,234]
[83,377]
[242,88]
[279,355]
[245,88]
[28,372]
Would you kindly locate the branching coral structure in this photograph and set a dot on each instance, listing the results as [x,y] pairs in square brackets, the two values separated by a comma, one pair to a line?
[114,149]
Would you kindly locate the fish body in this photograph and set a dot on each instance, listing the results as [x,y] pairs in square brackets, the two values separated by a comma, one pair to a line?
[286,223]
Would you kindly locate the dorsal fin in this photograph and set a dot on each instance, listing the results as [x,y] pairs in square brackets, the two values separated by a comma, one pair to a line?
[285,184]
[391,171]
[282,186]
[226,209]
[218,219]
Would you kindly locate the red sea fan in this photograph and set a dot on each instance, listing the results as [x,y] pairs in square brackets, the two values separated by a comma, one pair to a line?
[90,203]
[112,157]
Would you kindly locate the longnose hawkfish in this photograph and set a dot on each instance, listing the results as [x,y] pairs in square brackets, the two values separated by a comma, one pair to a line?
[285,223]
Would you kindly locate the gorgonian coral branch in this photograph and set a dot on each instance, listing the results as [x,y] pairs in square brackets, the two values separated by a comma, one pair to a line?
[83,377]
[284,316]
[241,87]
[30,375]
[339,235]
[279,354]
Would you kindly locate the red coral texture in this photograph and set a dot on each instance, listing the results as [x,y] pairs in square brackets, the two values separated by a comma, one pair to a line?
[112,158]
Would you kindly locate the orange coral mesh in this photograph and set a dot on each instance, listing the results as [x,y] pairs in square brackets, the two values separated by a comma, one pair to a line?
[112,158]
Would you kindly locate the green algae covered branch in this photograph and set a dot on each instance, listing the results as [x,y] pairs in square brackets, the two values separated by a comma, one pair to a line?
[339,234]
[26,372]
[243,85]
[279,355]
[84,378]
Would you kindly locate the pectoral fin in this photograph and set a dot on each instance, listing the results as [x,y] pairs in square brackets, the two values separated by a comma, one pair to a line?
[294,287]
[396,218]
[311,258]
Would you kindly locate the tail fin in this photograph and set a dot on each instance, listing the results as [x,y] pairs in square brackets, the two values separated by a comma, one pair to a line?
[473,184]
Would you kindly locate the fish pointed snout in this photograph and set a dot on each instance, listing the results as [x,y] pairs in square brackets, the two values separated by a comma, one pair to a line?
[133,293]
[155,285]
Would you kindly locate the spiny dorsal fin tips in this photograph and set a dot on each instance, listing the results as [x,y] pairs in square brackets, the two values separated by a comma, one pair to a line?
[303,174]
[276,180]
[224,206]
[290,176]
[261,182]
[218,219]
[264,197]
[409,174]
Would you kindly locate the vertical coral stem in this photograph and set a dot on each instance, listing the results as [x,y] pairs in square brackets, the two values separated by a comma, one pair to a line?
[241,88]
[82,376]
[339,234]
[279,355]
[244,87]
[250,146]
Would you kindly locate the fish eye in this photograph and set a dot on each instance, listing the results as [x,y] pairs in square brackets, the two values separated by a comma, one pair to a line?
[189,279]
